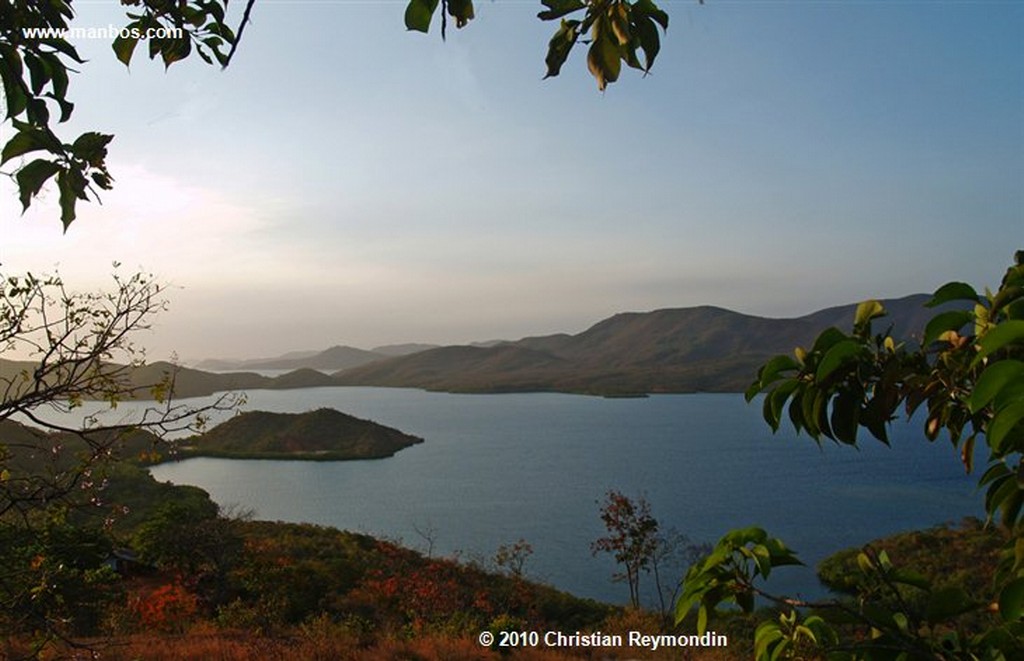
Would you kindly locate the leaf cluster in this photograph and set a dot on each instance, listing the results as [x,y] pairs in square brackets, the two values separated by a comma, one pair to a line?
[967,375]
[632,539]
[616,31]
[36,61]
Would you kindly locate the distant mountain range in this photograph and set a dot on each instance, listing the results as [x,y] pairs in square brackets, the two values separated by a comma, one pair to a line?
[330,360]
[673,350]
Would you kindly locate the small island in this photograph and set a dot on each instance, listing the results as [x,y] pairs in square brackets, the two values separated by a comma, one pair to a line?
[321,435]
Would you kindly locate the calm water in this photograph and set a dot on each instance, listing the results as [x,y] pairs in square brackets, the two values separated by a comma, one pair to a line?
[496,468]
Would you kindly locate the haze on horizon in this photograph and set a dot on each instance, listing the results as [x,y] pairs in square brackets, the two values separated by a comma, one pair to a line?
[345,182]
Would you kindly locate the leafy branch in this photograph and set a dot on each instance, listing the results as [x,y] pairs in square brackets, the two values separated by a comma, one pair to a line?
[967,373]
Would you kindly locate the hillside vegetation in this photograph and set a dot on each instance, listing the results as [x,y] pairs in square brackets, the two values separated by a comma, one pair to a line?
[324,434]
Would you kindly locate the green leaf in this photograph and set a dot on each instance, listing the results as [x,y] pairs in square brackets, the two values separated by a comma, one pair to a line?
[175,50]
[67,199]
[845,416]
[1002,423]
[559,8]
[22,143]
[15,93]
[39,72]
[124,48]
[419,13]
[1007,332]
[995,377]
[781,554]
[58,75]
[32,177]
[909,577]
[954,320]
[953,291]
[1011,601]
[650,42]
[66,107]
[776,401]
[37,112]
[461,11]
[91,147]
[742,536]
[648,8]
[560,45]
[766,634]
[64,47]
[71,184]
[827,339]
[770,371]
[839,353]
[998,492]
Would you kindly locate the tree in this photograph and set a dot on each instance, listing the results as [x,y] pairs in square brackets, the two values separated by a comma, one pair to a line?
[53,475]
[36,63]
[512,557]
[632,538]
[967,374]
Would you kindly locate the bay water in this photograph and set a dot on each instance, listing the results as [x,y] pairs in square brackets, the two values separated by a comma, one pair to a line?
[535,466]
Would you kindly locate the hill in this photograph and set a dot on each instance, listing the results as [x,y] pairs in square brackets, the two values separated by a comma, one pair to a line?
[332,359]
[673,350]
[324,435]
[402,349]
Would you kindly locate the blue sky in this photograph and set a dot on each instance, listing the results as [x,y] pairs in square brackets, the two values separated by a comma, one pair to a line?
[347,182]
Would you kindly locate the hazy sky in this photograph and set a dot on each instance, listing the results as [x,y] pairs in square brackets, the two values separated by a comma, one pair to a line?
[346,182]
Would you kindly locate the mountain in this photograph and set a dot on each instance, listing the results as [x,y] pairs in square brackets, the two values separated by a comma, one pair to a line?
[673,350]
[402,349]
[226,364]
[147,381]
[329,360]
[323,434]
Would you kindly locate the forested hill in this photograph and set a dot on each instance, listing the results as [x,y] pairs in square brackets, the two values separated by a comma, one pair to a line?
[673,350]
[323,434]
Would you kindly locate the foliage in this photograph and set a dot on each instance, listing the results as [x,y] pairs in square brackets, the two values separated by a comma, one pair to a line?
[55,480]
[321,435]
[80,347]
[964,556]
[616,31]
[36,60]
[968,375]
[512,557]
[632,538]
[638,543]
[168,608]
[54,572]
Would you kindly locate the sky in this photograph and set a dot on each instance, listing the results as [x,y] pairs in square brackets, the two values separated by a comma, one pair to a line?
[347,182]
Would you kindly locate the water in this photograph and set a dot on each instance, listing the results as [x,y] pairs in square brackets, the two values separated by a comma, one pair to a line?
[496,468]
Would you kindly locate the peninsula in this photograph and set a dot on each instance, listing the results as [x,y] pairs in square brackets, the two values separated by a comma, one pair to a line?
[321,435]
